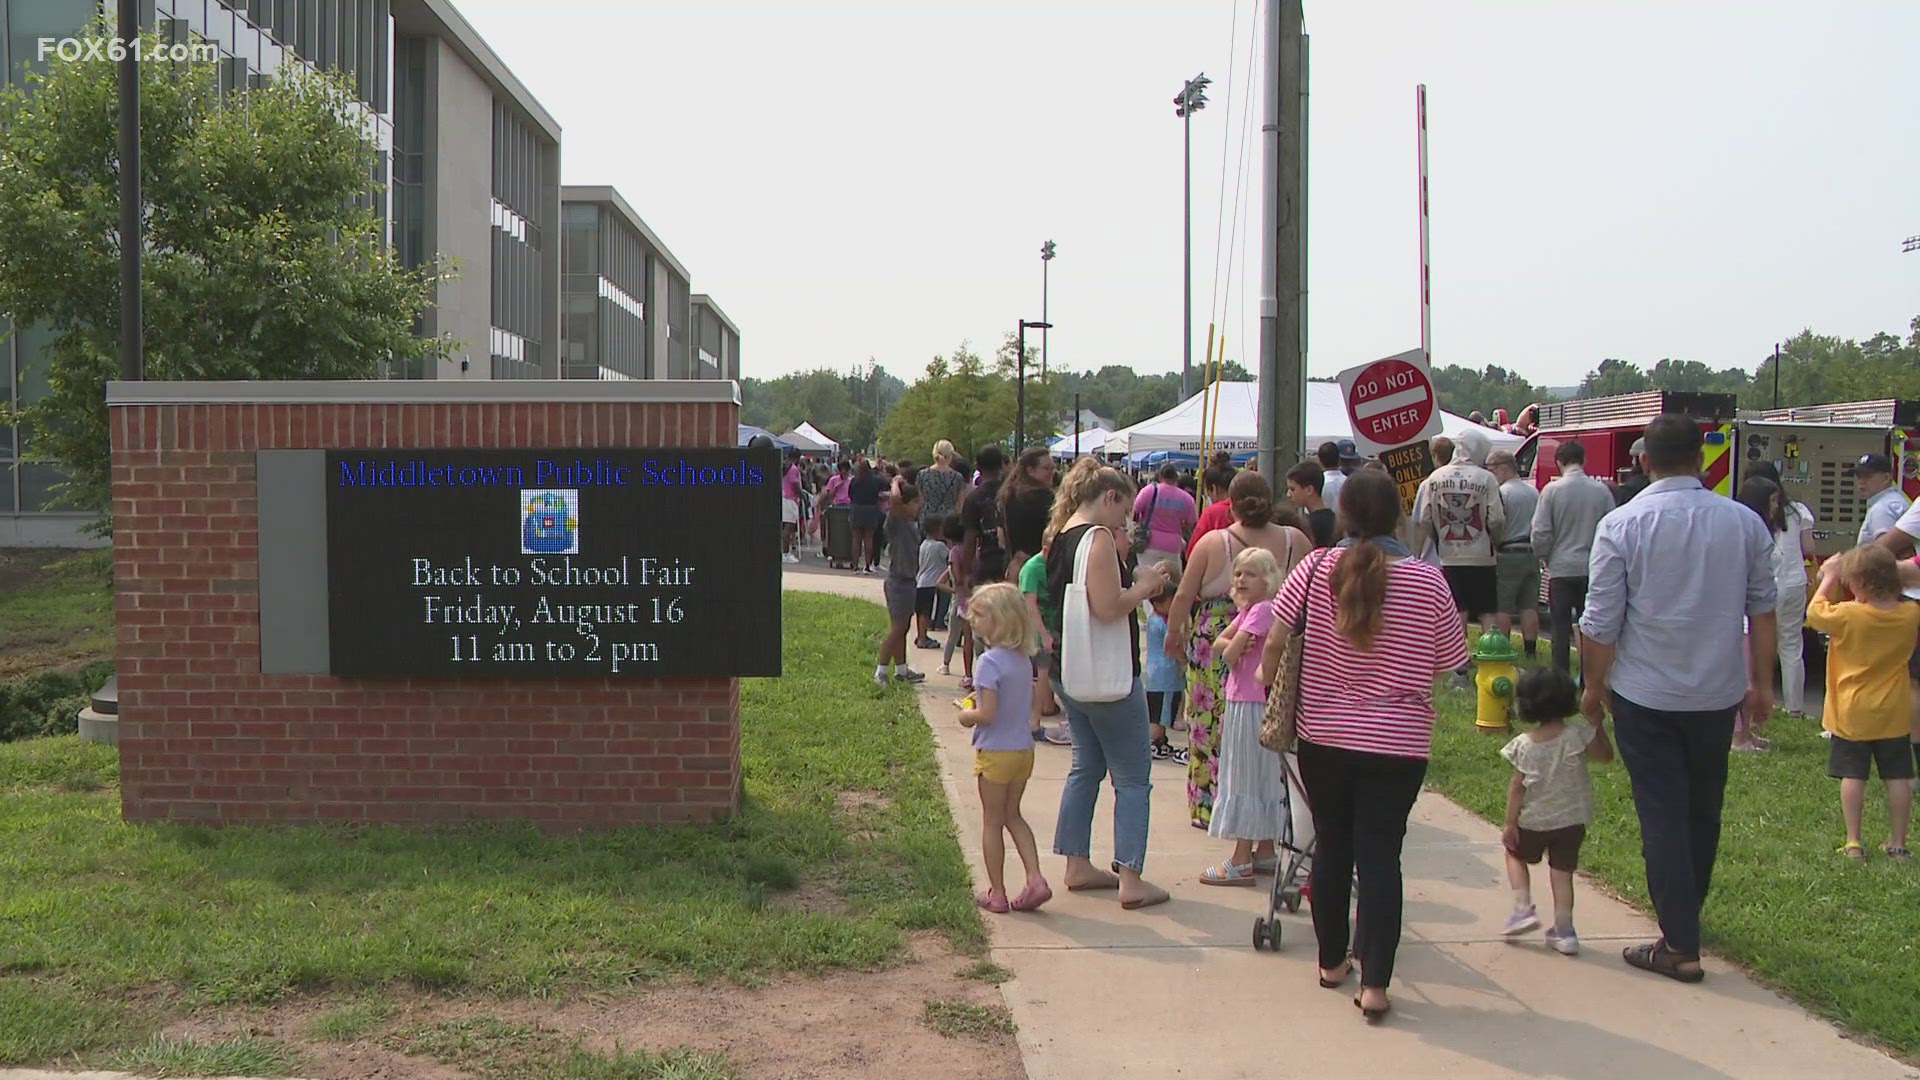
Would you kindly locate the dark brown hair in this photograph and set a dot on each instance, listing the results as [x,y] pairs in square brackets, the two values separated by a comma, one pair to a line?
[909,495]
[1309,474]
[1019,482]
[1252,499]
[1369,507]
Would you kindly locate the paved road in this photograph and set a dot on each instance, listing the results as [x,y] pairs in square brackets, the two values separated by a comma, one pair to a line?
[1178,991]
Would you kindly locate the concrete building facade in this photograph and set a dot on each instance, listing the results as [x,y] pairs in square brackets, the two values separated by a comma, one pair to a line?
[468,159]
[628,302]
[716,341]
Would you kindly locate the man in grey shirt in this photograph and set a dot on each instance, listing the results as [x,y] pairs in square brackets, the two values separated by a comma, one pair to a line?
[1518,569]
[1672,574]
[1562,529]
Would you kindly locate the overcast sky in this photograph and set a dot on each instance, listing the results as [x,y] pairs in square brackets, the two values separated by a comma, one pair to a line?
[1639,180]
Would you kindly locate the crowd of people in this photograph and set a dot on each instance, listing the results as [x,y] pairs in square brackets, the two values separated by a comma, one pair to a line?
[1682,601]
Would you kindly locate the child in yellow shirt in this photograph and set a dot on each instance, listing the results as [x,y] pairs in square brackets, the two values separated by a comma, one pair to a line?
[1868,696]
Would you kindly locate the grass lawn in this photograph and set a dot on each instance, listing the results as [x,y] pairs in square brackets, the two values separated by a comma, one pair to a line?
[107,929]
[56,609]
[1839,937]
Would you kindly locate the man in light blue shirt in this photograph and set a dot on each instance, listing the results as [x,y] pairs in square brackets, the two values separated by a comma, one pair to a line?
[1873,479]
[1679,637]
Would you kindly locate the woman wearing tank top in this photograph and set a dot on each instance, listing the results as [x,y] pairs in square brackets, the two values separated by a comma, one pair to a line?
[1201,611]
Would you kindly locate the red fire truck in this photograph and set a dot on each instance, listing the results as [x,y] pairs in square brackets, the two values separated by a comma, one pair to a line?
[1607,428]
[1813,446]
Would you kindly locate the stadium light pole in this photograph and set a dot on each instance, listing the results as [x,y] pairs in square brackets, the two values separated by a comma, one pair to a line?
[1192,98]
[1046,260]
[1020,390]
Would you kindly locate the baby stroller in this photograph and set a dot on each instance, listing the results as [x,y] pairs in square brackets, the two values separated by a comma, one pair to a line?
[1296,852]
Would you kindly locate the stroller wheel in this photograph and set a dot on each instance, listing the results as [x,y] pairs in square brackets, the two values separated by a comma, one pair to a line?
[1265,935]
[1292,903]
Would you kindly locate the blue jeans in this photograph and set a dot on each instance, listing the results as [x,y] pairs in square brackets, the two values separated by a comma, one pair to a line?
[1108,737]
[1678,764]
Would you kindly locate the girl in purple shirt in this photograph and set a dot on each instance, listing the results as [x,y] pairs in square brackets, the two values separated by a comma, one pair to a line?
[1002,742]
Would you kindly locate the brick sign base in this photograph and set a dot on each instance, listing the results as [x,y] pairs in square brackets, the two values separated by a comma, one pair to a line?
[206,737]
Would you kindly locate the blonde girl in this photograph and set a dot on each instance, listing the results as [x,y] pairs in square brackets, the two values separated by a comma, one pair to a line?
[1002,746]
[1250,805]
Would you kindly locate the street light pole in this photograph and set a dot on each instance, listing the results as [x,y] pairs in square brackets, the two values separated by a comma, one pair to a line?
[1192,99]
[132,363]
[1020,388]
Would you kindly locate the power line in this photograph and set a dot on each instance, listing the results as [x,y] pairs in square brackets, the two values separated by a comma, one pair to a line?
[1226,143]
[1233,236]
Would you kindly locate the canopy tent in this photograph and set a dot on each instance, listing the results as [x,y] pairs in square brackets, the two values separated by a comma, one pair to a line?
[1153,459]
[1091,442]
[748,433]
[809,439]
[1178,429]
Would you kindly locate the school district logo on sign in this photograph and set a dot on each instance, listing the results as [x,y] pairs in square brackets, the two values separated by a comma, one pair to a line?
[550,522]
[1390,402]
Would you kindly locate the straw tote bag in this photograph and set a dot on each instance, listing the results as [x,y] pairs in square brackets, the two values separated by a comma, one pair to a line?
[1279,725]
[1096,659]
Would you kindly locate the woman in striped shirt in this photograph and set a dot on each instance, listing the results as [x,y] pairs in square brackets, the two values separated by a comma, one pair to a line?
[1379,627]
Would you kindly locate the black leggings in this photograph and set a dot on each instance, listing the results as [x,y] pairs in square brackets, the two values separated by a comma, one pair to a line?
[1157,706]
[1360,807]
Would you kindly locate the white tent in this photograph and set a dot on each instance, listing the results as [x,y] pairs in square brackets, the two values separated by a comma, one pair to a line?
[1178,429]
[1092,440]
[811,439]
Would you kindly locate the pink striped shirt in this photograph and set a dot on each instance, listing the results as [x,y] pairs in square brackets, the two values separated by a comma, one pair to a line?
[1378,701]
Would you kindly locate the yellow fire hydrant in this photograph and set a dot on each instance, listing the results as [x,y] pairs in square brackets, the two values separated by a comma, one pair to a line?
[1494,657]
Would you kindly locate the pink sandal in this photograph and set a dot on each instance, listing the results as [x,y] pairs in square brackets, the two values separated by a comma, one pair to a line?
[1032,897]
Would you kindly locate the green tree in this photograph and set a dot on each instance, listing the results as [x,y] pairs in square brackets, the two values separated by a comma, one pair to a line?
[960,398]
[1464,391]
[1694,376]
[264,259]
[1614,377]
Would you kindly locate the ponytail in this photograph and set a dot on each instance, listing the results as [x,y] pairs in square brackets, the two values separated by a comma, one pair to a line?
[1359,586]
[1085,481]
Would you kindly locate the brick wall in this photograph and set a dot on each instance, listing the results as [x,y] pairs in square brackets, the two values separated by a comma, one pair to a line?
[204,736]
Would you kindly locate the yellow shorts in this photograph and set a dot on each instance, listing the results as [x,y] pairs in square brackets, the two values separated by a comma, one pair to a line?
[1003,766]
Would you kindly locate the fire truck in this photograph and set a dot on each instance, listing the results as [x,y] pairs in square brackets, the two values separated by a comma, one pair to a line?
[1607,428]
[1813,446]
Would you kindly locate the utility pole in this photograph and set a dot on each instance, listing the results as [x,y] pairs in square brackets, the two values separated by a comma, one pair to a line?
[132,339]
[1283,242]
[1076,426]
[1193,98]
[1776,376]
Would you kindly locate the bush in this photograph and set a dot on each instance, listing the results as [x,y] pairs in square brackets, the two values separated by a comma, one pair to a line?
[63,717]
[48,702]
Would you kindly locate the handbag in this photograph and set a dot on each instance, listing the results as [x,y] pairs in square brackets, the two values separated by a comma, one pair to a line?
[1280,724]
[1142,531]
[1096,658]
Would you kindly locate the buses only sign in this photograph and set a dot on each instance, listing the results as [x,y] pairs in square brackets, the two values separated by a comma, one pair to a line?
[1391,402]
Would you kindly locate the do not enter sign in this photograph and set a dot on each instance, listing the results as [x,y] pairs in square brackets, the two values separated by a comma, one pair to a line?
[1390,403]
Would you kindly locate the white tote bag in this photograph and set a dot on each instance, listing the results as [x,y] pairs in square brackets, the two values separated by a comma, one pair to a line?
[1096,660]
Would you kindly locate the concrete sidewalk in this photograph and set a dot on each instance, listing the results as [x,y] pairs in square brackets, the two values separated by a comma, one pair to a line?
[1178,990]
